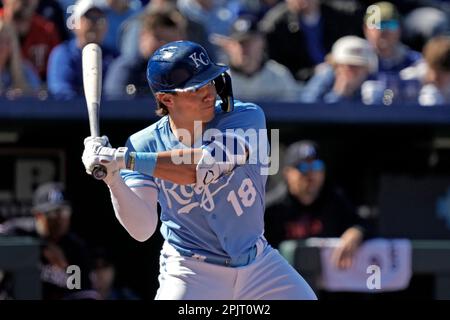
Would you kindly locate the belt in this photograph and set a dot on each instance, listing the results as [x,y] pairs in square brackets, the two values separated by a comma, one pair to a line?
[240,261]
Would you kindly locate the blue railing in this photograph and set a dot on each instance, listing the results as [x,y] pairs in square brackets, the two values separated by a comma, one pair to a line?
[143,109]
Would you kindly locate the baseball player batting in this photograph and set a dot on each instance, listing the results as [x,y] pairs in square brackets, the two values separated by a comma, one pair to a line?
[211,191]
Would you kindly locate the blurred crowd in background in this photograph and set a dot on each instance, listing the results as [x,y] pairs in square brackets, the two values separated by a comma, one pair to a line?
[305,51]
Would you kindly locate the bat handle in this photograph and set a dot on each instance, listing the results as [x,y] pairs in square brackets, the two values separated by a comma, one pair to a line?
[99,172]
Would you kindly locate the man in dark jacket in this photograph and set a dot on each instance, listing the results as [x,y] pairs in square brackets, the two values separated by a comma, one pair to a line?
[312,209]
[301,32]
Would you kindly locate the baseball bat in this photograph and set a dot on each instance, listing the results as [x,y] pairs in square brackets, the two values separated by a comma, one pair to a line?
[92,83]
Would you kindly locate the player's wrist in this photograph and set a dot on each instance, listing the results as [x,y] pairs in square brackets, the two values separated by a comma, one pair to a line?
[121,157]
[112,179]
[143,162]
[130,160]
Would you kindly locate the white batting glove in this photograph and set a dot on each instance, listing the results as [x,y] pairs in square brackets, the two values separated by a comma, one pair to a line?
[103,140]
[90,143]
[98,151]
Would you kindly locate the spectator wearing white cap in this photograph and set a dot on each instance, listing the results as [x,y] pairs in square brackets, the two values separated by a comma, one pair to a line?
[351,62]
[65,76]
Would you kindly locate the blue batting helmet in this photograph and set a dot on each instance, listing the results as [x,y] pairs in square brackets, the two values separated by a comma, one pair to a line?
[185,66]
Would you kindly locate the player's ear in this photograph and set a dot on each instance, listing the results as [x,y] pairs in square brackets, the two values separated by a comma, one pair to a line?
[165,98]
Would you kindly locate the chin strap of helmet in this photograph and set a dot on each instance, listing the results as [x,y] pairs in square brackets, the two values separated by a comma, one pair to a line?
[225,91]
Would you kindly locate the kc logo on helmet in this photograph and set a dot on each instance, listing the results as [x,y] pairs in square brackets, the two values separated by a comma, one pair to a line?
[201,58]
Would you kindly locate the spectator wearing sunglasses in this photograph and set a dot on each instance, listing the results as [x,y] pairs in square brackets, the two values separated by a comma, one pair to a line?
[383,30]
[312,208]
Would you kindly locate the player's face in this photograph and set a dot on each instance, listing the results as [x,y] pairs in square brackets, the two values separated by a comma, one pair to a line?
[187,107]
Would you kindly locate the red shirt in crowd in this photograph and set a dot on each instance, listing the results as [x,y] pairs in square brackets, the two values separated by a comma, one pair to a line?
[39,42]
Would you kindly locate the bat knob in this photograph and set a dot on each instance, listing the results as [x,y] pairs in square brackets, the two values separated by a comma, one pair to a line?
[99,172]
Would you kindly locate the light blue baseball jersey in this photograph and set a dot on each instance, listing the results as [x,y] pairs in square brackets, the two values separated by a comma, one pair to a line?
[225,218]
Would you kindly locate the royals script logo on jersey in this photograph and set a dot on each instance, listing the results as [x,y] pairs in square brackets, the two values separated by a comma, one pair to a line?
[188,197]
[184,194]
